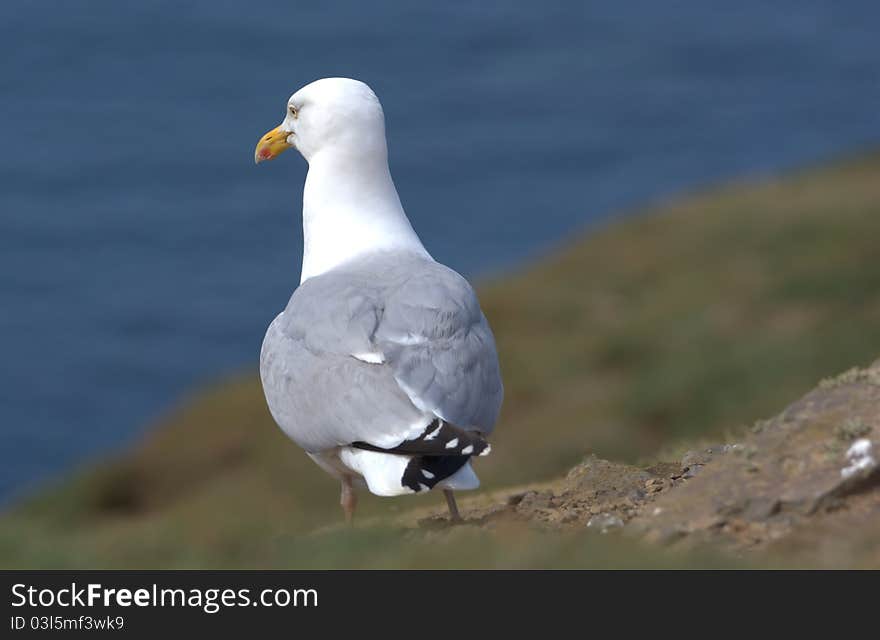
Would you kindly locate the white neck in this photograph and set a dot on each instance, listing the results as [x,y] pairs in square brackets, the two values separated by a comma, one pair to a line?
[350,208]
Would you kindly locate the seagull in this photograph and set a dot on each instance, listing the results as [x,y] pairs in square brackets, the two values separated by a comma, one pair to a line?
[382,367]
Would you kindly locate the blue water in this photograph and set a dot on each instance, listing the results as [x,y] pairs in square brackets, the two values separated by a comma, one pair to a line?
[142,253]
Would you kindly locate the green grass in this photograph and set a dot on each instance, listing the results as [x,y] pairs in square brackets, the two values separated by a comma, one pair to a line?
[680,323]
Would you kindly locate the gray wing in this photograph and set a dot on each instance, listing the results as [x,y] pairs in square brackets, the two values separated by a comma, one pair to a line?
[419,324]
[438,343]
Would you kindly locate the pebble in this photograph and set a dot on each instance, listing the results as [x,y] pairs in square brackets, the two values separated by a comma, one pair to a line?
[605,522]
[691,470]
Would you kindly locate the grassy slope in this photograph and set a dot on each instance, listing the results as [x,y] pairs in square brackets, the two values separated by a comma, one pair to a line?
[679,325]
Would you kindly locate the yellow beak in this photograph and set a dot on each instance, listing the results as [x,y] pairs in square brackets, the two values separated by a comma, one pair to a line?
[271,145]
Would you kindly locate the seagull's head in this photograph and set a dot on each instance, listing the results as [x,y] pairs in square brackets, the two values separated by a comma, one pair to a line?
[337,114]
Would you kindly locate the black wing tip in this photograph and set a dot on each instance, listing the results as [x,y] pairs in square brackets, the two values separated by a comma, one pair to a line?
[423,473]
[440,439]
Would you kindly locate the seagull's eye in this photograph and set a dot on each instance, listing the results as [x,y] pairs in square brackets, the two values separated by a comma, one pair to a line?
[292,110]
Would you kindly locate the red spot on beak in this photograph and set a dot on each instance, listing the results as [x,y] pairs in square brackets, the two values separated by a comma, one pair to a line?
[265,154]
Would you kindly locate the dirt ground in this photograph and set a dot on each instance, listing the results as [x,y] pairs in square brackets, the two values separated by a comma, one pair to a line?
[800,489]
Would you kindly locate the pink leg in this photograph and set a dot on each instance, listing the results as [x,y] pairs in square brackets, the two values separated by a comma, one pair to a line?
[454,516]
[348,500]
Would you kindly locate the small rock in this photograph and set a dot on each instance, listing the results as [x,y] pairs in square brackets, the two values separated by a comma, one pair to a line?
[691,470]
[605,522]
[515,499]
[860,458]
